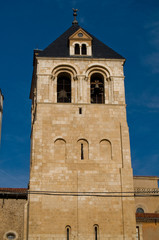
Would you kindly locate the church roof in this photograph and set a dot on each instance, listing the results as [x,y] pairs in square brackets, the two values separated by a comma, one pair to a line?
[60,47]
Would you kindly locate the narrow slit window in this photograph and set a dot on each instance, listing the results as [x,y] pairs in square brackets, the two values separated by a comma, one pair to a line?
[137,233]
[68,233]
[82,153]
[80,110]
[96,233]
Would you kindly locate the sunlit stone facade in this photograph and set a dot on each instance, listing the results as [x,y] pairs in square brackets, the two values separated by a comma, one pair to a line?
[80,152]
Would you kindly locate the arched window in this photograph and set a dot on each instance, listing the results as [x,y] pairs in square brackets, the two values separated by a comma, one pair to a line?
[68,229]
[97,88]
[96,232]
[83,149]
[105,150]
[11,235]
[84,49]
[59,150]
[77,49]
[64,88]
[139,210]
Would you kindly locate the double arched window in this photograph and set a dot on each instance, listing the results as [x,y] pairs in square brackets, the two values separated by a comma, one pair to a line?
[80,50]
[64,87]
[97,88]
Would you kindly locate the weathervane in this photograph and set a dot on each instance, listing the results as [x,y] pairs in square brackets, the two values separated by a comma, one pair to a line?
[75,15]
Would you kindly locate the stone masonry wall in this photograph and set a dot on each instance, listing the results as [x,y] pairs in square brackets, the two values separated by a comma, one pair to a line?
[12,217]
[58,171]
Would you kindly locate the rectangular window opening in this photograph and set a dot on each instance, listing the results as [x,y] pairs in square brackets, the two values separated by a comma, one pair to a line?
[80,110]
[137,233]
[82,154]
[96,233]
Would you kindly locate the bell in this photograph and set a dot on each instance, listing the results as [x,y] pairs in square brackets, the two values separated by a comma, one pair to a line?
[96,86]
[62,94]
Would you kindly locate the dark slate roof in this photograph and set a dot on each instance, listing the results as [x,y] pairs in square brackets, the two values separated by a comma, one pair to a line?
[60,47]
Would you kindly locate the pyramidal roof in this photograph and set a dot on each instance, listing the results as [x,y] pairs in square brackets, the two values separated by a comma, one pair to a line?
[60,47]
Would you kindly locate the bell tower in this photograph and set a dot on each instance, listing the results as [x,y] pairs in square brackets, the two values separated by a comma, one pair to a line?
[80,169]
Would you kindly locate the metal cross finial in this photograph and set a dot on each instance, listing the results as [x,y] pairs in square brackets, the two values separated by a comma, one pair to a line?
[75,15]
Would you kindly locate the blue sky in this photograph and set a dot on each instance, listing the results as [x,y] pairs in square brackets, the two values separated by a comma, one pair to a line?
[130,27]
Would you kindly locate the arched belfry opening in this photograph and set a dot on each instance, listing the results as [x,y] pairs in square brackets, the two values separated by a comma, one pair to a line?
[64,87]
[97,88]
[77,49]
[84,49]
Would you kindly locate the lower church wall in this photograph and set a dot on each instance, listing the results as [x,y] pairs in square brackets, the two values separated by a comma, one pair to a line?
[12,218]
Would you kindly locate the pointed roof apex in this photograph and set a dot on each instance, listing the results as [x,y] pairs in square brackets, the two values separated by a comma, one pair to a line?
[75,15]
[60,47]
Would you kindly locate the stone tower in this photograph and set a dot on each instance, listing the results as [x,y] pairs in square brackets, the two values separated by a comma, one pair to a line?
[80,170]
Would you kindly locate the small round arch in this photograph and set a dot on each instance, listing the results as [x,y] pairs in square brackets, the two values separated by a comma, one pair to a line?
[65,68]
[139,210]
[10,235]
[76,43]
[82,139]
[85,43]
[98,68]
[61,139]
[107,140]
